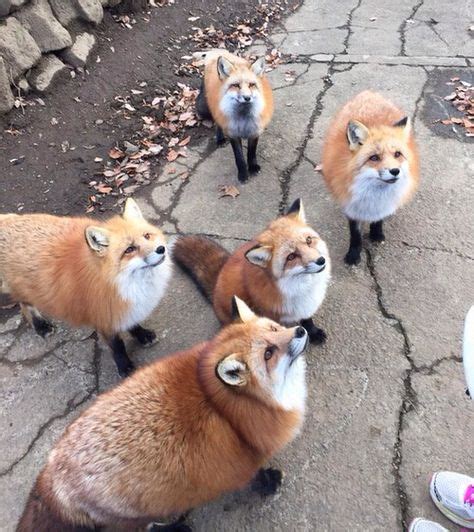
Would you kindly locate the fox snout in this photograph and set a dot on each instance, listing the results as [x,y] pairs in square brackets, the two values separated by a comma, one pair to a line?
[298,344]
[156,257]
[316,266]
[390,175]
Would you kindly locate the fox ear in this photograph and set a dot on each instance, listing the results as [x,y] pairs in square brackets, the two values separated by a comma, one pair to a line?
[259,255]
[233,371]
[405,123]
[241,310]
[132,211]
[297,210]
[97,238]
[258,66]
[356,134]
[224,67]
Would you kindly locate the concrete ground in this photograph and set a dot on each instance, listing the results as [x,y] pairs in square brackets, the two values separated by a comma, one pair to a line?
[386,401]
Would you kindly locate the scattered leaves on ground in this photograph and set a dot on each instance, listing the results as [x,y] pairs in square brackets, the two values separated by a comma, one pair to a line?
[462,98]
[228,190]
[318,168]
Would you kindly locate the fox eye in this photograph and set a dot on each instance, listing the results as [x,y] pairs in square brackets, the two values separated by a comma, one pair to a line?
[291,257]
[397,154]
[130,249]
[236,85]
[147,236]
[252,85]
[374,157]
[269,353]
[309,240]
[273,328]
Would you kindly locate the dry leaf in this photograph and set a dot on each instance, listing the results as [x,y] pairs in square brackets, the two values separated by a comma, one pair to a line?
[172,156]
[228,190]
[318,168]
[185,141]
[116,153]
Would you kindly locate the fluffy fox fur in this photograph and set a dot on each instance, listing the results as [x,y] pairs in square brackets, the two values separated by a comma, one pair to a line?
[282,273]
[177,433]
[370,164]
[107,275]
[238,97]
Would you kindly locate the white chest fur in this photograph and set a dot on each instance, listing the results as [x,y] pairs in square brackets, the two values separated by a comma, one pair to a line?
[373,200]
[143,290]
[303,294]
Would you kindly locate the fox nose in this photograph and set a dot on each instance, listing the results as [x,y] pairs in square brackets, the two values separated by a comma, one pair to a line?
[247,98]
[300,332]
[160,250]
[395,171]
[321,261]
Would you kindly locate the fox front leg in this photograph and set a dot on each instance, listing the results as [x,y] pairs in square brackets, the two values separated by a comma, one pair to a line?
[253,166]
[124,365]
[220,137]
[40,324]
[243,174]
[142,335]
[267,481]
[376,232]
[355,246]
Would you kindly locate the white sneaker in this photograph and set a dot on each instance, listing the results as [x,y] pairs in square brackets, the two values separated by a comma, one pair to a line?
[423,525]
[453,495]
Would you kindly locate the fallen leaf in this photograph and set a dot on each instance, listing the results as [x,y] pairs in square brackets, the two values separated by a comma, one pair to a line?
[228,190]
[172,156]
[116,153]
[103,188]
[185,141]
[98,160]
[318,168]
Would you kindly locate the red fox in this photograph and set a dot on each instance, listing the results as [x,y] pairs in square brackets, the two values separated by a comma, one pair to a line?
[370,164]
[107,275]
[282,273]
[178,433]
[238,98]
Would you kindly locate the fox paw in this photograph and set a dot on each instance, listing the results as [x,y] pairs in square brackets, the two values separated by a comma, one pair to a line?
[142,335]
[352,257]
[377,236]
[267,481]
[126,369]
[243,177]
[254,168]
[221,141]
[42,327]
[317,336]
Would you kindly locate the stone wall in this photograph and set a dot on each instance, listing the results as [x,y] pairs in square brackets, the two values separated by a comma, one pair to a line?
[40,40]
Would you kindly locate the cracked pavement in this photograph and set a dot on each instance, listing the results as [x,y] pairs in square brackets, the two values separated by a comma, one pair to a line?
[386,401]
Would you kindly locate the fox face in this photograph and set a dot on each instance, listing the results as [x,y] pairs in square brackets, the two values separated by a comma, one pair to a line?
[129,243]
[380,153]
[265,362]
[290,247]
[241,95]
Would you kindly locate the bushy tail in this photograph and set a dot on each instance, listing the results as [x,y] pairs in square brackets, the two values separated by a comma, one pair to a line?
[39,517]
[202,259]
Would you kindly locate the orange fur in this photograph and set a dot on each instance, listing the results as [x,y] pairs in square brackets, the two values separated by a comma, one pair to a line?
[46,262]
[216,87]
[340,164]
[170,437]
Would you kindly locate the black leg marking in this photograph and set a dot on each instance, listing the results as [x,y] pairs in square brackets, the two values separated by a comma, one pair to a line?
[142,335]
[220,137]
[178,526]
[316,335]
[267,481]
[376,232]
[124,365]
[42,326]
[201,104]
[243,174]
[254,167]
[353,255]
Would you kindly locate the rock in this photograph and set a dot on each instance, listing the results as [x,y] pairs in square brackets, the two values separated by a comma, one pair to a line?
[6,95]
[5,6]
[23,85]
[42,77]
[68,10]
[78,53]
[38,18]
[17,47]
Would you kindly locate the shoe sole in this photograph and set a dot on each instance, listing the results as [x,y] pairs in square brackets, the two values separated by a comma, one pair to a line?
[447,512]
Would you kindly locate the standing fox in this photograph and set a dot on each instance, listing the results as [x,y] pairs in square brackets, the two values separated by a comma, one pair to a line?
[370,164]
[107,275]
[238,97]
[282,273]
[178,433]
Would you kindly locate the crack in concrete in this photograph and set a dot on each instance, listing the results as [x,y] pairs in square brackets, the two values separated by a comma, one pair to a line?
[409,399]
[439,249]
[72,405]
[402,30]
[431,24]
[348,26]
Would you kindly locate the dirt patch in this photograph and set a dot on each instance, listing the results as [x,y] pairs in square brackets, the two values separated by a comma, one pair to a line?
[50,153]
[439,109]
